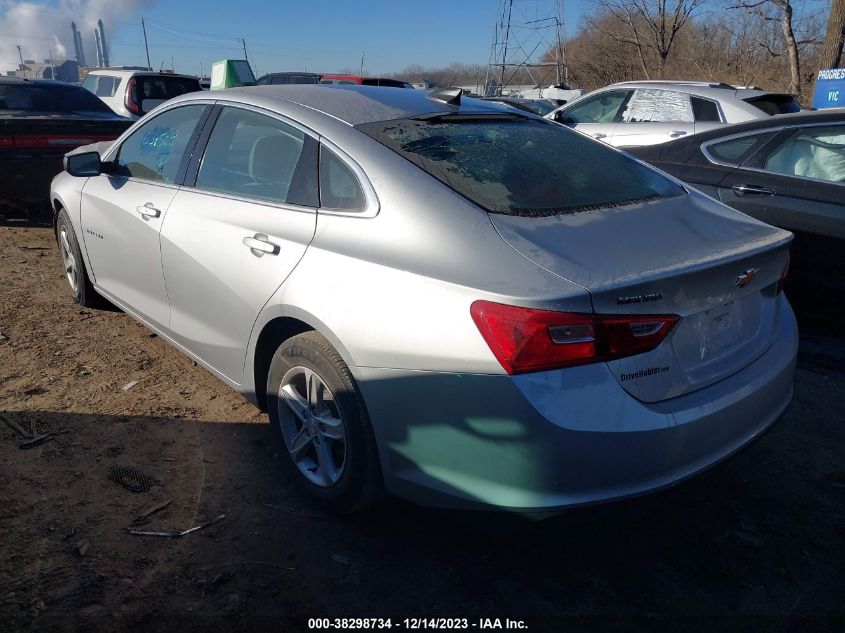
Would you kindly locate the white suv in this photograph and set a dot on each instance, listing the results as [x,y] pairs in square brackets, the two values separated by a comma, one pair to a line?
[636,113]
[133,93]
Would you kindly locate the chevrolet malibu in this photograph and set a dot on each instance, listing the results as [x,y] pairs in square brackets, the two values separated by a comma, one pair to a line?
[443,299]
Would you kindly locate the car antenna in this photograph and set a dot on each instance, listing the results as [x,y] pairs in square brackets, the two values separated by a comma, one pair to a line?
[449,96]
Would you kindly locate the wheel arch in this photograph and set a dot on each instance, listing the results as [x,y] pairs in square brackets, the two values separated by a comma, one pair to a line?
[277,326]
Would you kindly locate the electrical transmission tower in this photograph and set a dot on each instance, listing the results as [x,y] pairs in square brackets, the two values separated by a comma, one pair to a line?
[528,45]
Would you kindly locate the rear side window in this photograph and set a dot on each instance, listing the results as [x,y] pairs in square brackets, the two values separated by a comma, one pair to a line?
[155,150]
[705,111]
[339,188]
[520,166]
[658,106]
[737,150]
[49,98]
[107,86]
[776,104]
[257,156]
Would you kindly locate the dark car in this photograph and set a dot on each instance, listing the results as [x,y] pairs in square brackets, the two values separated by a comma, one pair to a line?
[788,171]
[365,81]
[39,122]
[534,106]
[288,78]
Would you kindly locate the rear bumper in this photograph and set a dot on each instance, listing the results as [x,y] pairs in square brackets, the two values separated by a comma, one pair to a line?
[551,440]
[26,181]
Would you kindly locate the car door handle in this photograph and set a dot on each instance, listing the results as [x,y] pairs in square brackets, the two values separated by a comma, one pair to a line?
[677,133]
[261,244]
[148,211]
[752,190]
[599,135]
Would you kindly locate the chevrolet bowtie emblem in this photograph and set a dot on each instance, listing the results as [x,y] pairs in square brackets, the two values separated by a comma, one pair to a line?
[745,278]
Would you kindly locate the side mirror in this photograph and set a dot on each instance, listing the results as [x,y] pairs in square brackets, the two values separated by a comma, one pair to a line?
[562,118]
[84,164]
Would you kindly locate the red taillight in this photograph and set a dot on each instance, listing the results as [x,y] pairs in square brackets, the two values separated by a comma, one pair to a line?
[58,142]
[783,276]
[131,98]
[526,339]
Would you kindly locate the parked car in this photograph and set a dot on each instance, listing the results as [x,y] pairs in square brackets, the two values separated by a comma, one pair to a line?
[452,300]
[364,81]
[649,112]
[534,106]
[788,171]
[39,122]
[560,93]
[288,78]
[133,93]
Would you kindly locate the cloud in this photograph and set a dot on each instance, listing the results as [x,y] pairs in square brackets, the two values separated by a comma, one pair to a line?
[41,28]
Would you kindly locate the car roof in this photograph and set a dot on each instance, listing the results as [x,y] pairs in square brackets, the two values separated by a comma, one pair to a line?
[713,90]
[136,73]
[37,82]
[830,115]
[356,104]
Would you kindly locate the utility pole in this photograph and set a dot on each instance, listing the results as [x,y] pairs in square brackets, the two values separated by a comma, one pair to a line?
[146,46]
[21,56]
[52,67]
[362,64]
[246,57]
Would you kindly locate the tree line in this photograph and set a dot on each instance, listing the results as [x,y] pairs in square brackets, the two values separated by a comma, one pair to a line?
[778,45]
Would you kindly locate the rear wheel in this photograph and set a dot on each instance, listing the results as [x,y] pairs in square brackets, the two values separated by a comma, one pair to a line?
[73,265]
[315,406]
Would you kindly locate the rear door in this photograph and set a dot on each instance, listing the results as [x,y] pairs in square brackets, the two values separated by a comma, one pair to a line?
[654,116]
[596,116]
[123,210]
[237,230]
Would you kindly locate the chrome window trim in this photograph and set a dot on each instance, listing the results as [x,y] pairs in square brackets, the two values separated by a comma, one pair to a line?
[371,201]
[706,145]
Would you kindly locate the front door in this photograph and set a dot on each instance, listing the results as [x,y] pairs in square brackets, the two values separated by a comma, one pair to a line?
[123,211]
[596,116]
[232,239]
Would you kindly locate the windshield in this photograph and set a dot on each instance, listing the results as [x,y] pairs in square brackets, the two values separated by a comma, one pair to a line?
[55,98]
[521,166]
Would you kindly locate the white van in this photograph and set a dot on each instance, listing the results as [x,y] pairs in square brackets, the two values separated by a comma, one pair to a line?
[133,93]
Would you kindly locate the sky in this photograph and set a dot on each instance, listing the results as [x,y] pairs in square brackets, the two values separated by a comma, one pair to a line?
[317,35]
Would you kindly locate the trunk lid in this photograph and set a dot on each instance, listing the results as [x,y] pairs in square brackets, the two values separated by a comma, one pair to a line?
[714,267]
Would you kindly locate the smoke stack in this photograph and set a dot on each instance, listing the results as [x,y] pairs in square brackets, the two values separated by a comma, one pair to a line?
[104,49]
[81,58]
[99,49]
[76,42]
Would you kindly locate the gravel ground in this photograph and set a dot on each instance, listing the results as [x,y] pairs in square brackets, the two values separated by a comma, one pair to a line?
[754,544]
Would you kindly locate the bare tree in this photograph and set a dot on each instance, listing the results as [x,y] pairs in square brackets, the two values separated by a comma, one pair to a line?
[831,52]
[651,26]
[784,13]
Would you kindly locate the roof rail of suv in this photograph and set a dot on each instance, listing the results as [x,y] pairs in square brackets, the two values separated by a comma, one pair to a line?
[702,84]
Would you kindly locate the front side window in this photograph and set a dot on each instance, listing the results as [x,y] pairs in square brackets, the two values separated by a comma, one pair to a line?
[339,188]
[812,152]
[648,105]
[256,156]
[155,150]
[602,108]
[521,166]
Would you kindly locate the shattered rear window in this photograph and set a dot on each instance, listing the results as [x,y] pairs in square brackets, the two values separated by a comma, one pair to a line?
[522,166]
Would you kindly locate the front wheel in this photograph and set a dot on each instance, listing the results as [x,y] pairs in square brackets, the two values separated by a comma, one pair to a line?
[315,406]
[73,265]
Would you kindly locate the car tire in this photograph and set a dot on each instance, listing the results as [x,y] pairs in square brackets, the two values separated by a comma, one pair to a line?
[73,265]
[310,389]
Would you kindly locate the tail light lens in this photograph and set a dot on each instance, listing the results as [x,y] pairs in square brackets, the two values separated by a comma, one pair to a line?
[131,98]
[783,276]
[525,339]
[58,142]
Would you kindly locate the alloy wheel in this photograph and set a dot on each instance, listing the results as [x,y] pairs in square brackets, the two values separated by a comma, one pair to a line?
[68,259]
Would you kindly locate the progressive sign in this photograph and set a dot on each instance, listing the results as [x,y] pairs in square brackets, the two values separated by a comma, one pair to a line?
[830,89]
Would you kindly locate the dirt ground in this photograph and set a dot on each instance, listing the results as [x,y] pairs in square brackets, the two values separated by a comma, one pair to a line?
[754,544]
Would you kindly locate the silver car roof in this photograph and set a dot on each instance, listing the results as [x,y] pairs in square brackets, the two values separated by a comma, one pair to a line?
[353,104]
[712,90]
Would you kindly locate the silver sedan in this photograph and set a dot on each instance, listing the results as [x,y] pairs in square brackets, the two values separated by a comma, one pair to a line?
[440,298]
